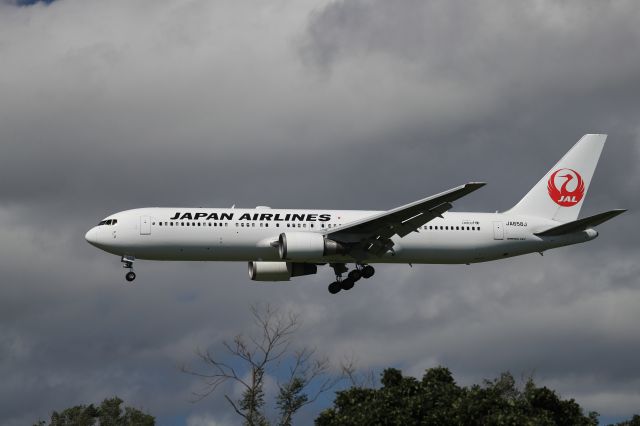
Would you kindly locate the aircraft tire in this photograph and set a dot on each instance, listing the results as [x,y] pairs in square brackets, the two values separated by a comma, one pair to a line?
[355,275]
[334,287]
[347,284]
[130,276]
[368,271]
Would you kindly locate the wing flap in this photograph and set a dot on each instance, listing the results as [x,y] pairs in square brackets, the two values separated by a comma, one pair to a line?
[581,224]
[413,224]
[374,232]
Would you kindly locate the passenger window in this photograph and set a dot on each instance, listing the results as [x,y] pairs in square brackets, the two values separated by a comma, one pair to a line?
[478,228]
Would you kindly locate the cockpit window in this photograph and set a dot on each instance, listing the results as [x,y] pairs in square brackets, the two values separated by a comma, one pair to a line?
[102,222]
[108,222]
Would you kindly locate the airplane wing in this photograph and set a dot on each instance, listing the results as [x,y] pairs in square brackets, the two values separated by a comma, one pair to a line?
[581,224]
[372,235]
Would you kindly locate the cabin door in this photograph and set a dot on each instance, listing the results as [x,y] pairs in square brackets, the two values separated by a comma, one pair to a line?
[145,225]
[498,231]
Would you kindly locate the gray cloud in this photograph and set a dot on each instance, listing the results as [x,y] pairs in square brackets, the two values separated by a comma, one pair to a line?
[354,104]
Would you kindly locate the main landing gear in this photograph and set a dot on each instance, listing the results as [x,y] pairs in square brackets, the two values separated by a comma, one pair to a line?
[361,271]
[128,264]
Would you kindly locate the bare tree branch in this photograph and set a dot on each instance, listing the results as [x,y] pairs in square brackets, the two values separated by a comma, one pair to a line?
[258,353]
[354,378]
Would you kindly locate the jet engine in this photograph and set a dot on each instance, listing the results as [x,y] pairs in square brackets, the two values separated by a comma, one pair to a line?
[306,245]
[279,271]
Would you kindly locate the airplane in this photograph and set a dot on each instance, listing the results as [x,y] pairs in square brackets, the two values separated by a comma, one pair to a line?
[280,244]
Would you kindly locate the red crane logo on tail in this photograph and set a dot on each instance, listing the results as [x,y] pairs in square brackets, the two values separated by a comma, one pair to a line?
[571,189]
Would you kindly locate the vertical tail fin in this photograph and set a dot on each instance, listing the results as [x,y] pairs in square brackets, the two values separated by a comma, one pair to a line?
[560,193]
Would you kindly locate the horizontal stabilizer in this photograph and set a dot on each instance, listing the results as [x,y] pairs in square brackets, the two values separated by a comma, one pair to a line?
[581,224]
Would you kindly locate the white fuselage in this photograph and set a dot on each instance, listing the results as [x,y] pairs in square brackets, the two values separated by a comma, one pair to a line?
[249,235]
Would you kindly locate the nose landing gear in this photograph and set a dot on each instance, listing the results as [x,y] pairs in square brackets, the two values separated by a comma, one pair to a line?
[361,271]
[128,264]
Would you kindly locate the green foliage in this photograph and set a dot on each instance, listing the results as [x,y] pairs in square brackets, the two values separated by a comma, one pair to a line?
[291,398]
[634,421]
[438,400]
[109,413]
[252,402]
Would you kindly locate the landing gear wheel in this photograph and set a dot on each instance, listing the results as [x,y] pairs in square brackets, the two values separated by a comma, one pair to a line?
[130,276]
[334,287]
[355,275]
[347,284]
[368,271]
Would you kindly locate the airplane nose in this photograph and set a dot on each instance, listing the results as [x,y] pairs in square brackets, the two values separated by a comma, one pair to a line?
[92,236]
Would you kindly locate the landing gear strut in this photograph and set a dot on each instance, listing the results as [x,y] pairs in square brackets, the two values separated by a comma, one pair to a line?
[361,271]
[128,264]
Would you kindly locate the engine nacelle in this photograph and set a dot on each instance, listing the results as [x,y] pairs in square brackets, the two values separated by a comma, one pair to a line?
[279,271]
[306,245]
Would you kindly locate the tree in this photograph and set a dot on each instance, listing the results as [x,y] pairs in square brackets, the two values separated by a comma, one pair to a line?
[634,421]
[268,350]
[438,400]
[108,413]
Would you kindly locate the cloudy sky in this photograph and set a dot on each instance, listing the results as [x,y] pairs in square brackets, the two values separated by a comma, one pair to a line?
[106,106]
